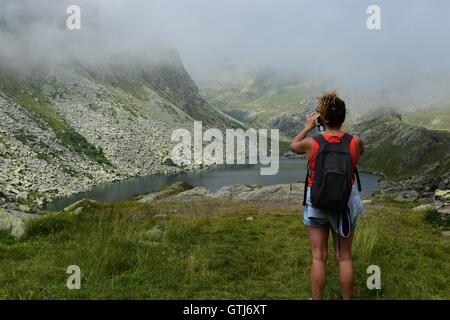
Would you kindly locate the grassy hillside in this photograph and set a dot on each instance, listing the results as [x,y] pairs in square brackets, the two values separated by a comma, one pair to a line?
[132,250]
[257,107]
[399,150]
[260,96]
[434,117]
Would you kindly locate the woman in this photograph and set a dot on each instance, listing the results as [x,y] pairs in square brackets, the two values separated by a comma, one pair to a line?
[331,110]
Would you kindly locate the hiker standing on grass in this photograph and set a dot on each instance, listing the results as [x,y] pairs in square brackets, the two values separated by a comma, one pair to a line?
[331,200]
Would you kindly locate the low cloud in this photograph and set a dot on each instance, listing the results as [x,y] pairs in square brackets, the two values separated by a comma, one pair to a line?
[324,39]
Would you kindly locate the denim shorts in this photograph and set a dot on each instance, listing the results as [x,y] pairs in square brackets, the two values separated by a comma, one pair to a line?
[319,222]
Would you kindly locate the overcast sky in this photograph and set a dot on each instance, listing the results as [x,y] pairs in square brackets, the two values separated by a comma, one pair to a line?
[322,36]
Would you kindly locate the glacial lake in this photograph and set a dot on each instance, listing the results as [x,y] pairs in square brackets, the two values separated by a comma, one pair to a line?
[291,171]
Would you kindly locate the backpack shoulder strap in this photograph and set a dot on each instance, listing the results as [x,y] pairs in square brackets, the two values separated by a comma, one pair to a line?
[320,139]
[358,180]
[347,138]
[305,188]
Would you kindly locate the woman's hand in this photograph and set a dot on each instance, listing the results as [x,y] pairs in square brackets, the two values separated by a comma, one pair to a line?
[311,121]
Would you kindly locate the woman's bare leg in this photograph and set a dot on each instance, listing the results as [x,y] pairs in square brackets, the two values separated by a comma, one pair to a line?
[345,263]
[318,239]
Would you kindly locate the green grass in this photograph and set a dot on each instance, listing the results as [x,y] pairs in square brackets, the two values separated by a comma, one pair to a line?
[210,251]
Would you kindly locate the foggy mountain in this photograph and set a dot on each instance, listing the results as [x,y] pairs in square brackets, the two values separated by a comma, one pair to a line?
[81,107]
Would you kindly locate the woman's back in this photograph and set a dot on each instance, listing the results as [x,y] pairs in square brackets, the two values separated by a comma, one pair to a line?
[333,138]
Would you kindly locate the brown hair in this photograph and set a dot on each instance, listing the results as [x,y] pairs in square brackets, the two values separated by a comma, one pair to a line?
[332,109]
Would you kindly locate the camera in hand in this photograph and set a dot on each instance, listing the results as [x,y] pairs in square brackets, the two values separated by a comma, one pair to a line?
[320,124]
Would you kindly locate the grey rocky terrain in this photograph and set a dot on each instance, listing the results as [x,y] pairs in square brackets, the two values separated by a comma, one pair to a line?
[66,128]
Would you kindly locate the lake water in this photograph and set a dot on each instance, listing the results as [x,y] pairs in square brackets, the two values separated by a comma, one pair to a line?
[291,171]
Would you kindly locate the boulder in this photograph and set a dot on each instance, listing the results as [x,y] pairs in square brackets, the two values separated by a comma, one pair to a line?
[266,193]
[424,207]
[22,196]
[442,196]
[24,208]
[387,185]
[444,184]
[151,196]
[166,192]
[229,192]
[78,210]
[189,195]
[444,211]
[14,222]
[77,203]
[40,202]
[442,202]
[408,196]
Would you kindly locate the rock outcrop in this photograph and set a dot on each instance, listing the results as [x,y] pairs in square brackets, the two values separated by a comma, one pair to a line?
[292,193]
